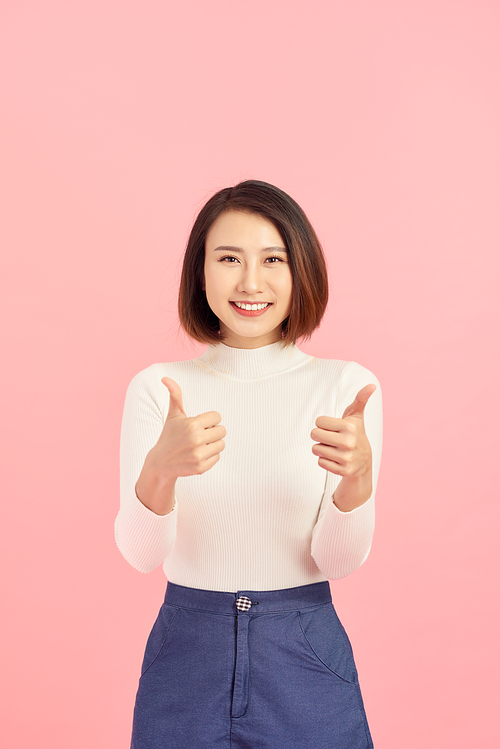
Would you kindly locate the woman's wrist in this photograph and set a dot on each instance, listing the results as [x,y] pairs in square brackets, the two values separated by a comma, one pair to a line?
[156,489]
[352,492]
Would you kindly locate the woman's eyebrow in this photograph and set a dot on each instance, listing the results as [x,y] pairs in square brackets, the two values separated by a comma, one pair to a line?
[227,248]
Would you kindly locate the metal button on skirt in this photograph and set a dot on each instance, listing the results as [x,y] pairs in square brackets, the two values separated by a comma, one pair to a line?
[249,670]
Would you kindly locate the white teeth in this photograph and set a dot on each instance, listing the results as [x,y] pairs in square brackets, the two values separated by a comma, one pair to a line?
[252,307]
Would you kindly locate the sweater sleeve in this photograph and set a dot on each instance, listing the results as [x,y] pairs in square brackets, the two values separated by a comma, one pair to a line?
[144,538]
[341,541]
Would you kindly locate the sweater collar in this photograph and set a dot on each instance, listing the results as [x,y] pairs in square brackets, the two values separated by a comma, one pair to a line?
[254,363]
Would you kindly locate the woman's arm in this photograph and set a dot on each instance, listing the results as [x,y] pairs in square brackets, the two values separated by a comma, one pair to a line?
[343,534]
[143,536]
[155,452]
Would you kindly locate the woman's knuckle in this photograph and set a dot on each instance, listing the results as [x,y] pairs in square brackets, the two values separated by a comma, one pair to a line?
[192,426]
[192,442]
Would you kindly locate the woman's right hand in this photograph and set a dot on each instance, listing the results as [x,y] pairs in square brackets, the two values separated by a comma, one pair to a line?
[187,446]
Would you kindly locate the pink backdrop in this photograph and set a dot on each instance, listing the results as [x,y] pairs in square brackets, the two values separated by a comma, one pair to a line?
[119,119]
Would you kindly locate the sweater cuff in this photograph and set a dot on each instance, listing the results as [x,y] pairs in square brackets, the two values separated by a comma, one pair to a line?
[144,538]
[342,540]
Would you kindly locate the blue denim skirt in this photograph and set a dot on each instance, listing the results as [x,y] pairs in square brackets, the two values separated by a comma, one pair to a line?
[249,670]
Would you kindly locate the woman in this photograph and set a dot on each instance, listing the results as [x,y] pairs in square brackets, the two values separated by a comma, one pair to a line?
[249,473]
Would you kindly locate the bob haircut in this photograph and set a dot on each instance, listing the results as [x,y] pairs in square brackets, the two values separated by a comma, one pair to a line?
[307,262]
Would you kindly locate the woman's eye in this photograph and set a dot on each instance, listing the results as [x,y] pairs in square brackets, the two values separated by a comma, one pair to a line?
[271,260]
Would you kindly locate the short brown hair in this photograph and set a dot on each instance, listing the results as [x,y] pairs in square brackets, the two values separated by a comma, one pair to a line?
[307,262]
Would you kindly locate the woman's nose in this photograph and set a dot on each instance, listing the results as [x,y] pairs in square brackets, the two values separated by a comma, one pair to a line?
[251,280]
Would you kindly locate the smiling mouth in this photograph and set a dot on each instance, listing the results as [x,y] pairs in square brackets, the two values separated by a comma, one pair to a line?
[252,306]
[249,309]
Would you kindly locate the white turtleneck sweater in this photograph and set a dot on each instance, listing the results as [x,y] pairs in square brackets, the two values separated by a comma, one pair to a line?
[262,518]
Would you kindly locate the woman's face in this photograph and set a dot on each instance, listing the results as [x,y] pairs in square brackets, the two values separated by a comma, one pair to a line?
[246,264]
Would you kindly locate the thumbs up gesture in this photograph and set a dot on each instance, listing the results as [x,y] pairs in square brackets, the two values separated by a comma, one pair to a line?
[187,446]
[343,447]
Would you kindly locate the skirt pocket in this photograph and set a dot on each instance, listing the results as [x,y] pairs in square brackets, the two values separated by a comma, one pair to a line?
[326,638]
[158,636]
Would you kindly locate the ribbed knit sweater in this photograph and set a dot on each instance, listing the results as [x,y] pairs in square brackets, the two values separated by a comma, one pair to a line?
[262,518]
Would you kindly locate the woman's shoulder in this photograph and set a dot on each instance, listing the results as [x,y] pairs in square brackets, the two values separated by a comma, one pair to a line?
[345,371]
[150,377]
[344,379]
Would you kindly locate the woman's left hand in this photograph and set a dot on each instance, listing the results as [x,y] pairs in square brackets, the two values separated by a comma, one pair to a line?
[343,447]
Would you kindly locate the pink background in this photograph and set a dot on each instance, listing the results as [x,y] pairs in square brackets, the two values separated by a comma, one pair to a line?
[119,119]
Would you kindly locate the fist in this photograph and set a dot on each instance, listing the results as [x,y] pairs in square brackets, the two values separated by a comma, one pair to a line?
[343,447]
[188,445]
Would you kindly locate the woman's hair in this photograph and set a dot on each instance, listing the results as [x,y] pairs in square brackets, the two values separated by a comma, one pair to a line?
[307,262]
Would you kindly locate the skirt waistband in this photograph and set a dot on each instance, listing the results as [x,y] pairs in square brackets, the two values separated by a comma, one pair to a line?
[253,601]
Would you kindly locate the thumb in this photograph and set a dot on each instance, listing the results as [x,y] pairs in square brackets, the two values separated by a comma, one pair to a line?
[357,407]
[175,408]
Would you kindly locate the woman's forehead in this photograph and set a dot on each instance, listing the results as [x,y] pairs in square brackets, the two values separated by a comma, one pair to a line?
[243,230]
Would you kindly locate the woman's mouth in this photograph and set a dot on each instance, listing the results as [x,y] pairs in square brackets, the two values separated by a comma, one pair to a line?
[250,309]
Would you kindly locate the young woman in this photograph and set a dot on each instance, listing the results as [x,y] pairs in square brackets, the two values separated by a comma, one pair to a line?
[250,474]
